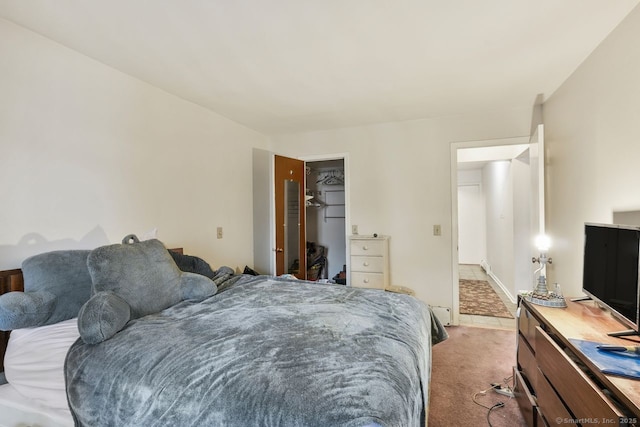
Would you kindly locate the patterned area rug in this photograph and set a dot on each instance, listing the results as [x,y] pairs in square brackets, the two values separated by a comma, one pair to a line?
[477,297]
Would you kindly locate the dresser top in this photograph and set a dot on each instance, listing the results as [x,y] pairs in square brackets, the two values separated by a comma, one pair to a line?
[587,321]
[367,237]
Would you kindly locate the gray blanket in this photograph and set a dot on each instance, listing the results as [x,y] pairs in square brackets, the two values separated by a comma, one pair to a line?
[262,352]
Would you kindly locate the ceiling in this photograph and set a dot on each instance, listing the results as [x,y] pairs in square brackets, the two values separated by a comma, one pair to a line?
[283,66]
[479,157]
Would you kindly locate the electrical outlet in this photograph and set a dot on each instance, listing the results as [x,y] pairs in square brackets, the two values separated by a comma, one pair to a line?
[219,232]
[354,229]
[437,231]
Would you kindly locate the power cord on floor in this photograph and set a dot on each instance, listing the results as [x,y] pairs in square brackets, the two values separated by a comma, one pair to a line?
[504,389]
[490,408]
[498,388]
[497,405]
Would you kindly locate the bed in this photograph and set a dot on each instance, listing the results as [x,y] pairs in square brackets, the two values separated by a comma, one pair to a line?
[260,351]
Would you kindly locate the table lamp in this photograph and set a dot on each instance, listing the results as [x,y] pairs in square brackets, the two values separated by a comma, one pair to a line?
[541,295]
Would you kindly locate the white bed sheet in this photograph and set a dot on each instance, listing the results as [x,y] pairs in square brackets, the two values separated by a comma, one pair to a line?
[34,361]
[18,411]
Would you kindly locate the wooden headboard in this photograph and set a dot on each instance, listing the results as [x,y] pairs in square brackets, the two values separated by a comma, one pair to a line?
[11,280]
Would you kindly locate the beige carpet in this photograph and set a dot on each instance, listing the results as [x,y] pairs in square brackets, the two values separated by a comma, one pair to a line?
[477,297]
[466,363]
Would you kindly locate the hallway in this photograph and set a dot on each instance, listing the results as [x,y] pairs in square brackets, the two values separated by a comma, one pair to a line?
[475,272]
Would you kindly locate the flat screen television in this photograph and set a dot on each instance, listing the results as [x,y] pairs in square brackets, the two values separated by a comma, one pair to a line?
[611,271]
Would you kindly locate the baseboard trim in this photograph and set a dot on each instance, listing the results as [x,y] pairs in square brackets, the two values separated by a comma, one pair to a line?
[503,287]
[487,269]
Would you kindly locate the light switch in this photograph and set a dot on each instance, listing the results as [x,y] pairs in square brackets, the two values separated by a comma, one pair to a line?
[219,232]
[437,231]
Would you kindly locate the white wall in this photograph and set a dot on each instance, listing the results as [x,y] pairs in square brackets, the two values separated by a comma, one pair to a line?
[400,185]
[626,217]
[90,154]
[593,148]
[469,176]
[498,190]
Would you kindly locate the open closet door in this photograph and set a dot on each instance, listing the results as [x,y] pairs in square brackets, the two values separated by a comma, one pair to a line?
[290,233]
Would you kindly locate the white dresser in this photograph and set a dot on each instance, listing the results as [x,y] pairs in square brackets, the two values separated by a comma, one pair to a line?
[369,259]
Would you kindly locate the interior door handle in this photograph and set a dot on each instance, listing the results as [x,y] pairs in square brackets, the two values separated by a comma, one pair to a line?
[279,250]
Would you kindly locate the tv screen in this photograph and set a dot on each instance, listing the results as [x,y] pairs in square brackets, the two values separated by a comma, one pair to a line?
[610,275]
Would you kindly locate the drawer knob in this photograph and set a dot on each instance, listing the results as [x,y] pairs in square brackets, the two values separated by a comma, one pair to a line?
[366,264]
[365,248]
[366,280]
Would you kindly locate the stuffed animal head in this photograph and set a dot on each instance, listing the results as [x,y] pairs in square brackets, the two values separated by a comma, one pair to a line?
[56,285]
[131,280]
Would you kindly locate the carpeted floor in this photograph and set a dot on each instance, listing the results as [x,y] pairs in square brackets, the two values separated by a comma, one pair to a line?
[477,297]
[466,363]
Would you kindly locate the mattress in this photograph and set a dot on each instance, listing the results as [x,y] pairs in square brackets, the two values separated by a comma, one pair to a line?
[18,411]
[35,395]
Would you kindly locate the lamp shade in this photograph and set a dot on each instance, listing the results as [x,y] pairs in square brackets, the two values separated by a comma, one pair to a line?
[543,242]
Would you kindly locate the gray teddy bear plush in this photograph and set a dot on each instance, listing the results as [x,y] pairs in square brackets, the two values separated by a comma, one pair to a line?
[56,285]
[131,280]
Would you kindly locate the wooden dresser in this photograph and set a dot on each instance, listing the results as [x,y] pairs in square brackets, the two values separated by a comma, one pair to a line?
[555,384]
[369,261]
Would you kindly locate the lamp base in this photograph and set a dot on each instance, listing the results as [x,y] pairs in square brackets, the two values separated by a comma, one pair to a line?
[548,300]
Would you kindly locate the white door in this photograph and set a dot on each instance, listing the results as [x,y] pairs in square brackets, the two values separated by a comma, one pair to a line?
[536,162]
[471,224]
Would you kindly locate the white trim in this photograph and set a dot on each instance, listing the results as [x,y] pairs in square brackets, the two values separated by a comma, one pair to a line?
[501,285]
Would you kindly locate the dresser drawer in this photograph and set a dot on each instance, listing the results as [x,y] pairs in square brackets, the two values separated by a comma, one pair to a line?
[549,402]
[367,247]
[583,397]
[526,401]
[367,264]
[527,362]
[367,280]
[540,421]
[527,326]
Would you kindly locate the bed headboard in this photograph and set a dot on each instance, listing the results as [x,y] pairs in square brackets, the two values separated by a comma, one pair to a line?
[11,280]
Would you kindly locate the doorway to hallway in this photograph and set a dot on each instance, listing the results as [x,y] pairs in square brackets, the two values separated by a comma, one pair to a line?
[492,193]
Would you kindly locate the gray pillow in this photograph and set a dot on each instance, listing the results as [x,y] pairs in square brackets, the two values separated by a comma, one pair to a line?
[56,285]
[193,264]
[132,280]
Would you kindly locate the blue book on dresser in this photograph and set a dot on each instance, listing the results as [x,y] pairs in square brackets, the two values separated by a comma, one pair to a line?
[623,364]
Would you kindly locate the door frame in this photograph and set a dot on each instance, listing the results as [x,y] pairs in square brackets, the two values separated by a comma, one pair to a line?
[264,207]
[347,194]
[455,274]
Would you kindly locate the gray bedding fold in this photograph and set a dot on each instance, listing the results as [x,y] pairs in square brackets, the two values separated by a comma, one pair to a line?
[262,352]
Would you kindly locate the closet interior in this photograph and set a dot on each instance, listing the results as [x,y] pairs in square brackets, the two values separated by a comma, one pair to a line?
[325,221]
